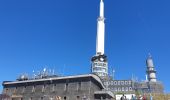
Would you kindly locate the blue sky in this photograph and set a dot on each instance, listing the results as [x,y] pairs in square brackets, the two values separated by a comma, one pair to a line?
[61,35]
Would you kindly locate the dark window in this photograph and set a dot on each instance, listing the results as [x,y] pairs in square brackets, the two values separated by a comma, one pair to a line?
[6,91]
[79,86]
[65,98]
[78,97]
[66,87]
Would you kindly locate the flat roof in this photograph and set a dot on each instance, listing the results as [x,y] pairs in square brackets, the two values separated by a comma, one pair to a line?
[57,78]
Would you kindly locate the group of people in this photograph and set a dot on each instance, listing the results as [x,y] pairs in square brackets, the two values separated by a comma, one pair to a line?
[135,98]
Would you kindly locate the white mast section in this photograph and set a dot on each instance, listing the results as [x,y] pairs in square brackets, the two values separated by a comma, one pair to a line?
[101,8]
[100,31]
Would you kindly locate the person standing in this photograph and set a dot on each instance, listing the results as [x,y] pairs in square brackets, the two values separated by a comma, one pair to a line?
[133,97]
[123,97]
[151,97]
[144,97]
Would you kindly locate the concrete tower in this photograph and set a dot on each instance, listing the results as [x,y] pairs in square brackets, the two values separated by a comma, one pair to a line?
[151,72]
[99,61]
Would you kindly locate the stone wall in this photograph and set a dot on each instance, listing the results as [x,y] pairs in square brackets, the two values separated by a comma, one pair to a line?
[66,89]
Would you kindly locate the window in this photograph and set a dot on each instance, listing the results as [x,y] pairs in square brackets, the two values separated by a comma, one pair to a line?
[15,90]
[126,82]
[43,88]
[130,89]
[99,69]
[30,98]
[111,83]
[66,87]
[65,98]
[115,82]
[24,89]
[78,98]
[118,89]
[126,89]
[122,88]
[6,90]
[118,83]
[122,82]
[33,88]
[115,89]
[53,88]
[79,86]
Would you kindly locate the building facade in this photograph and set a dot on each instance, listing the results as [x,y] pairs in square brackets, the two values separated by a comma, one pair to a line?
[120,86]
[150,85]
[79,87]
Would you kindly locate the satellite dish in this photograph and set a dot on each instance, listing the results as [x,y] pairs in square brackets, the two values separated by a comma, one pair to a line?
[23,77]
[44,69]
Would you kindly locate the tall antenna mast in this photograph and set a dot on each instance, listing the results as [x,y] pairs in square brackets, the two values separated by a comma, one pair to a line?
[99,61]
[100,31]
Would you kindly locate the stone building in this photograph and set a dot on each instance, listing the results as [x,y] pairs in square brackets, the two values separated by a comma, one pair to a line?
[79,87]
